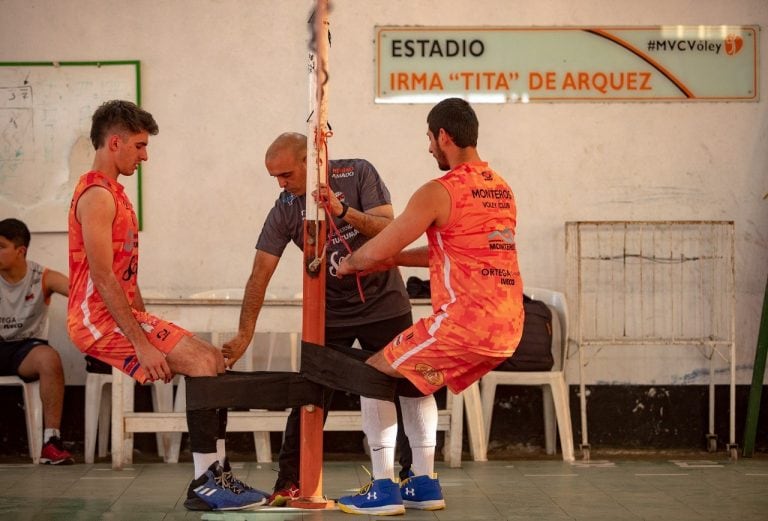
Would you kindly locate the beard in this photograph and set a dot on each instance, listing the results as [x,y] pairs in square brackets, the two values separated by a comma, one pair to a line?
[442,162]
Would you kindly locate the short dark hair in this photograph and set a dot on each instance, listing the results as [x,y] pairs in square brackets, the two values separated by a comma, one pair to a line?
[293,141]
[15,231]
[123,116]
[456,117]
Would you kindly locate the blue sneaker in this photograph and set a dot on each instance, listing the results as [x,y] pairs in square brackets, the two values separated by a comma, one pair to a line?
[422,493]
[380,497]
[226,472]
[213,491]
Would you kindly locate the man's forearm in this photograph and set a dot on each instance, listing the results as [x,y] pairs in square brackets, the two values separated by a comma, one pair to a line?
[358,261]
[138,301]
[367,224]
[253,300]
[414,257]
[119,307]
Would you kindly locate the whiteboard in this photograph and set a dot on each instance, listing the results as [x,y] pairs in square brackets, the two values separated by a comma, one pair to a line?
[45,124]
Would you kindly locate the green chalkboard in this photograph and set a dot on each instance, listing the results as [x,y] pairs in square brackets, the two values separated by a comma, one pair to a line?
[45,121]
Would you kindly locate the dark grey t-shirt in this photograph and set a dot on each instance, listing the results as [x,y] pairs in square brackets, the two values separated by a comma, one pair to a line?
[357,183]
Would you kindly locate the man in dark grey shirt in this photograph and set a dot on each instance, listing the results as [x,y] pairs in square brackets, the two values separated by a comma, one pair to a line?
[360,205]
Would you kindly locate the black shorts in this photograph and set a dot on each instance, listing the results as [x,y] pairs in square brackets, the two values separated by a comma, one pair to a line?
[372,336]
[13,353]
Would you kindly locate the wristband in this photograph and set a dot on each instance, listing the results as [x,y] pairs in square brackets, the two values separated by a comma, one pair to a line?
[344,208]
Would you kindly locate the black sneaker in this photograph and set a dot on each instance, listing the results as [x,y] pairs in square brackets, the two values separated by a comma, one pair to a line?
[212,491]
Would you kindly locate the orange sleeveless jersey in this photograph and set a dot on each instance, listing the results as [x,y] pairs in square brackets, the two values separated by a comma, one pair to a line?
[477,292]
[88,318]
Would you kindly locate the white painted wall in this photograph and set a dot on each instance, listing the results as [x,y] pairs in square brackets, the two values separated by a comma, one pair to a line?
[224,77]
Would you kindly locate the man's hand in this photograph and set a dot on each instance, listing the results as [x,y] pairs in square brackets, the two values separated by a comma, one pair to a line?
[153,362]
[345,267]
[325,196]
[234,349]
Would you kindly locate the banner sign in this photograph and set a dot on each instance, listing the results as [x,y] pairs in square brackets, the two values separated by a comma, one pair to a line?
[502,64]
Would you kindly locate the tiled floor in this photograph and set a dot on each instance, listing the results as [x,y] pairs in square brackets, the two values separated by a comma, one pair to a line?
[629,489]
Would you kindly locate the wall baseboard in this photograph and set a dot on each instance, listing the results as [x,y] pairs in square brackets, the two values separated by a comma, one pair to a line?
[621,417]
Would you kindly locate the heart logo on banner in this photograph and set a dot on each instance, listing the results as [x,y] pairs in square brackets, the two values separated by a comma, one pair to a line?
[733,44]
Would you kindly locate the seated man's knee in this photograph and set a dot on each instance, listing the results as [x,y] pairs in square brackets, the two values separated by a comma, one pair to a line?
[193,357]
[42,361]
[52,356]
[221,366]
[52,364]
[210,359]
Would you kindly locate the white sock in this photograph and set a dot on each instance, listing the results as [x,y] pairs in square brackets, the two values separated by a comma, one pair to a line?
[420,425]
[203,461]
[423,461]
[380,426]
[221,451]
[383,462]
[50,433]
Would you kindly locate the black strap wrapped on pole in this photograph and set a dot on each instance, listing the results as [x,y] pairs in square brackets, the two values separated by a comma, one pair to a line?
[321,367]
[252,390]
[346,370]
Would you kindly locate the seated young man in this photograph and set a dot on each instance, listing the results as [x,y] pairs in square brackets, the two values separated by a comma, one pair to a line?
[25,292]
[106,315]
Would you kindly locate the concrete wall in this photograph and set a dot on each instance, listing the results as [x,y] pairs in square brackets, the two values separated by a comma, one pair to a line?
[224,77]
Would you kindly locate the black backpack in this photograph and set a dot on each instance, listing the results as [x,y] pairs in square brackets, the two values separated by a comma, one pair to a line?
[534,353]
[417,288]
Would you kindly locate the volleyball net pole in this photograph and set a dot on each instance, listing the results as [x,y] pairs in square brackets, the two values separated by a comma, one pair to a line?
[314,261]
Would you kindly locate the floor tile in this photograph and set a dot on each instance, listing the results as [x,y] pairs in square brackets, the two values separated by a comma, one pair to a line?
[542,490]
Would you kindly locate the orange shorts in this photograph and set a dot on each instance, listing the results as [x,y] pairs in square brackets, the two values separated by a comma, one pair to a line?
[115,349]
[431,363]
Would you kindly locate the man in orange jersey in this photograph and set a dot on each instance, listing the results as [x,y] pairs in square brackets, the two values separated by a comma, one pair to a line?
[469,216]
[106,317]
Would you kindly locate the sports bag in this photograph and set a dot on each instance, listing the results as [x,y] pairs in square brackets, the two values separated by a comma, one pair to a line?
[534,353]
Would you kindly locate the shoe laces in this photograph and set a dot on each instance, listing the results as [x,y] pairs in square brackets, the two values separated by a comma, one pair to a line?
[233,481]
[365,488]
[411,477]
[224,481]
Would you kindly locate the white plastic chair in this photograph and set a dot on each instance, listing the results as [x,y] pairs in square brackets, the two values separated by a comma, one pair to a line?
[554,388]
[33,410]
[97,414]
[98,417]
[261,440]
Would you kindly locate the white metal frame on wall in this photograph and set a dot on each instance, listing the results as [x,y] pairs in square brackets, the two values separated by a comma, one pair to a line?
[653,283]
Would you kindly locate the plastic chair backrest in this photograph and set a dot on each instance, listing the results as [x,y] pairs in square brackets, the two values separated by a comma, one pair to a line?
[556,300]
